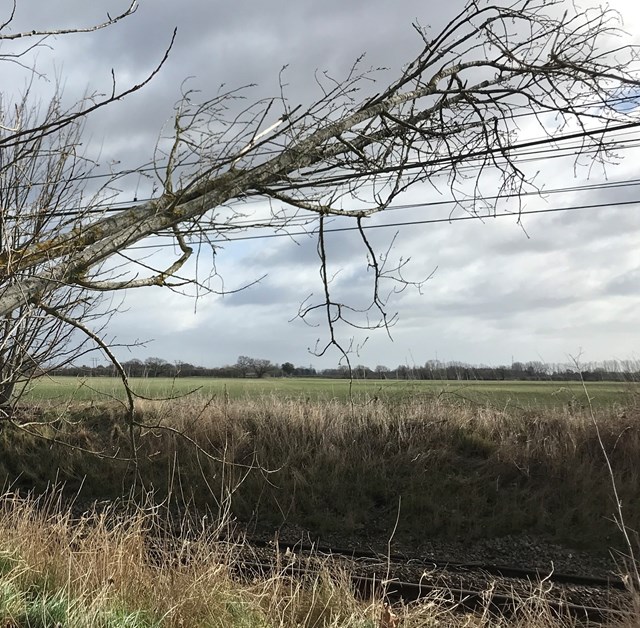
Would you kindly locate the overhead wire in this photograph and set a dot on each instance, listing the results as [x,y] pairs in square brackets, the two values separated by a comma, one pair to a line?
[287,221]
[535,155]
[282,223]
[634,100]
[427,221]
[447,160]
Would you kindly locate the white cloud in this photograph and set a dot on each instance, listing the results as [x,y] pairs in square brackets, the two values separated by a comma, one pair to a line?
[573,283]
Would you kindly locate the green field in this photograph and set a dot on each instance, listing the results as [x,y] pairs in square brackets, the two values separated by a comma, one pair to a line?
[505,395]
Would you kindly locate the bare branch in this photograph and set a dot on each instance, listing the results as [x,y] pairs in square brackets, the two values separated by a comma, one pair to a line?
[110,21]
[455,109]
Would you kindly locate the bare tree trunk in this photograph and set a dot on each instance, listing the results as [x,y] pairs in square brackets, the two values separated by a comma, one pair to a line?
[457,104]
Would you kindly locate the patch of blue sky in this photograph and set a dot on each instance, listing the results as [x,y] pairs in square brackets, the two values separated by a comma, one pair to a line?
[626,100]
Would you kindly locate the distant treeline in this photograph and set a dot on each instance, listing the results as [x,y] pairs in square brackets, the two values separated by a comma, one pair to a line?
[610,370]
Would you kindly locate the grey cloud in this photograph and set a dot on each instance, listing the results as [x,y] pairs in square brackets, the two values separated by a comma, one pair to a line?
[268,292]
[234,44]
[626,284]
[341,248]
[495,293]
[503,306]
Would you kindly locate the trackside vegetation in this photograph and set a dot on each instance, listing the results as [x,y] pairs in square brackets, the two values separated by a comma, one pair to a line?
[97,571]
[340,466]
[333,466]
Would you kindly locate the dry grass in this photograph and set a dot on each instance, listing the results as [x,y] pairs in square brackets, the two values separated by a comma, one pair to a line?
[99,571]
[459,469]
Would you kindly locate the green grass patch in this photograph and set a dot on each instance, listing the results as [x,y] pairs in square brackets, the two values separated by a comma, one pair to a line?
[502,395]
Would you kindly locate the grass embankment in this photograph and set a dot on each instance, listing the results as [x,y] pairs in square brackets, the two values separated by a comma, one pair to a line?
[458,468]
[455,469]
[98,572]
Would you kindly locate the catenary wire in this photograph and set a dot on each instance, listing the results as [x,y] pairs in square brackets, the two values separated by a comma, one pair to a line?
[539,155]
[154,168]
[401,224]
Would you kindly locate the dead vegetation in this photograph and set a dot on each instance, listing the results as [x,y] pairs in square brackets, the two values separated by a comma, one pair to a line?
[98,570]
[459,470]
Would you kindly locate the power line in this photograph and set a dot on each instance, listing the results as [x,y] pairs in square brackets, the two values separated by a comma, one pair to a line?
[407,223]
[285,222]
[448,160]
[154,168]
[540,155]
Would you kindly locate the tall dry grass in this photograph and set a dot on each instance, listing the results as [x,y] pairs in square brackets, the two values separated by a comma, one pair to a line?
[457,469]
[110,569]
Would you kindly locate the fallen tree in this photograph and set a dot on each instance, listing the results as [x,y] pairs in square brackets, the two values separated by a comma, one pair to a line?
[456,104]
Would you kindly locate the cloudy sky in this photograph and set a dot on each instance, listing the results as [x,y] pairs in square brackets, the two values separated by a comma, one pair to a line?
[549,287]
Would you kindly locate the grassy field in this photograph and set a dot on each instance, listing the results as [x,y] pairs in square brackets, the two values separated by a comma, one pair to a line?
[502,395]
[428,460]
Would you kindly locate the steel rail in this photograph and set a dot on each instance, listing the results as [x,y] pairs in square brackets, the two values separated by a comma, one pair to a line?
[463,600]
[504,571]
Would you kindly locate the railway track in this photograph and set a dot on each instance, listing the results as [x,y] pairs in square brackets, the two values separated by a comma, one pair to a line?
[464,586]
[459,599]
[461,586]
[503,571]
[498,589]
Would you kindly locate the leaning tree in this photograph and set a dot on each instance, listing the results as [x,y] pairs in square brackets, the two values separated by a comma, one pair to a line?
[44,174]
[455,109]
[40,180]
